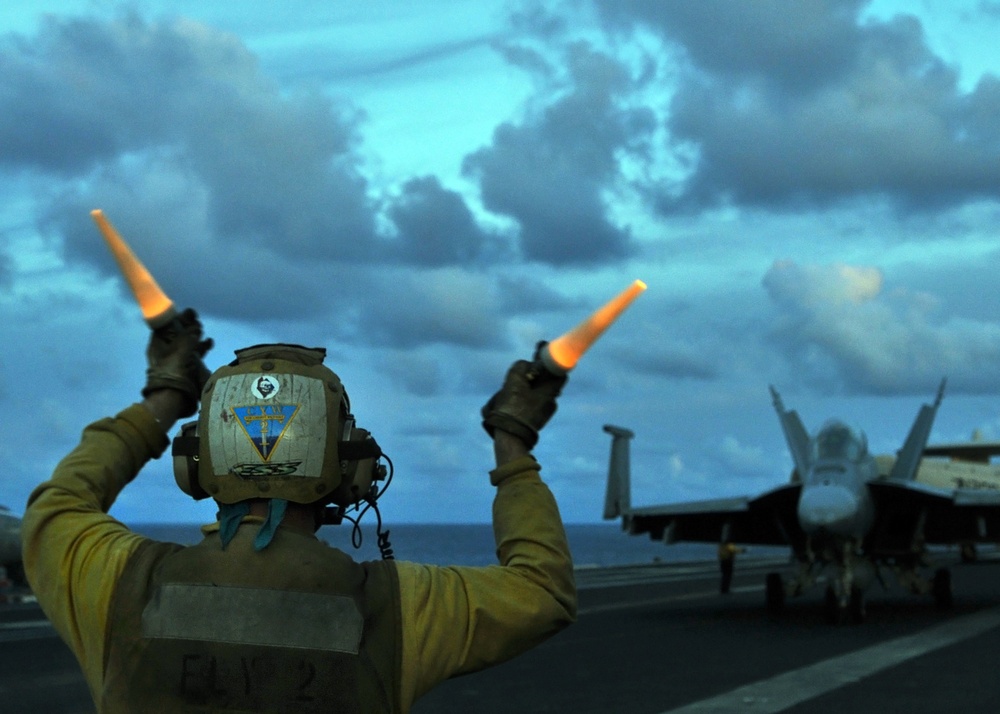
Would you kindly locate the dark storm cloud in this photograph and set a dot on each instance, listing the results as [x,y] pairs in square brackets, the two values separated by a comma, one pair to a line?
[184,109]
[358,305]
[278,167]
[436,227]
[800,104]
[245,199]
[520,294]
[418,374]
[162,215]
[550,172]
[795,44]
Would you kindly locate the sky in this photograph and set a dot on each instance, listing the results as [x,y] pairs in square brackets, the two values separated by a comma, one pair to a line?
[810,189]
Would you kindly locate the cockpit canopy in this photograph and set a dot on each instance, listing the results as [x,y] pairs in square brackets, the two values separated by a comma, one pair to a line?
[838,441]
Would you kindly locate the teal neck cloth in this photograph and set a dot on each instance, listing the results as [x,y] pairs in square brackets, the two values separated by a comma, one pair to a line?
[232,514]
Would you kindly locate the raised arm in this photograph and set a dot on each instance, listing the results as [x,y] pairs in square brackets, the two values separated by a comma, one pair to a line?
[461,619]
[73,550]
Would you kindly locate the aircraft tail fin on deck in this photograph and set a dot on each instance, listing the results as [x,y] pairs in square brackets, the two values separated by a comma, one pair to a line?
[10,545]
[617,498]
[908,458]
[795,434]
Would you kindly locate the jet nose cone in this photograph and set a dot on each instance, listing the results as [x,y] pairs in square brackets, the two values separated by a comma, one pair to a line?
[827,508]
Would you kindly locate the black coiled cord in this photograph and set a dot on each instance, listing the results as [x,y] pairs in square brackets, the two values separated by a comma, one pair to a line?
[371,502]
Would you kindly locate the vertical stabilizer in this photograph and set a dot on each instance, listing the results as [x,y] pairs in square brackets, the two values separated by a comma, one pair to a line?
[795,435]
[908,458]
[617,499]
[10,545]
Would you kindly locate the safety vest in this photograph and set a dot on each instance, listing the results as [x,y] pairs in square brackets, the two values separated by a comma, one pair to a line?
[296,627]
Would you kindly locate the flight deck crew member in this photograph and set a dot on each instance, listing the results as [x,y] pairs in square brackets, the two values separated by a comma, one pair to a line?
[261,615]
[727,562]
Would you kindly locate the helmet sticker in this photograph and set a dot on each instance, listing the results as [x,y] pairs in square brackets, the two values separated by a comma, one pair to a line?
[266,437]
[265,471]
[265,387]
[264,425]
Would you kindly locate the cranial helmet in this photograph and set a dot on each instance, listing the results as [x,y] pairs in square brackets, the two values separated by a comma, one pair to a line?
[276,423]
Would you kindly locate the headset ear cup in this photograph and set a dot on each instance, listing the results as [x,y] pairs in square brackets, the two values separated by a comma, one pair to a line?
[359,466]
[185,453]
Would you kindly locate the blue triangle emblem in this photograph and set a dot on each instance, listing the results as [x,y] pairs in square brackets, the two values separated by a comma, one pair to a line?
[265,425]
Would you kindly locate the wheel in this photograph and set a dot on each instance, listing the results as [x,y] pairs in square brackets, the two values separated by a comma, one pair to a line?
[774,590]
[857,606]
[15,571]
[941,589]
[831,605]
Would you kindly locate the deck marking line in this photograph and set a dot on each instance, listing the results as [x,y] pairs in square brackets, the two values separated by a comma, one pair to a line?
[24,624]
[786,690]
[48,681]
[610,607]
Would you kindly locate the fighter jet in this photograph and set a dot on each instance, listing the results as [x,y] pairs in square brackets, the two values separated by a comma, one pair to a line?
[10,545]
[847,515]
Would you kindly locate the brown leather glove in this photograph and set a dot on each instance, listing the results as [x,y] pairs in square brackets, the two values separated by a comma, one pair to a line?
[174,356]
[525,403]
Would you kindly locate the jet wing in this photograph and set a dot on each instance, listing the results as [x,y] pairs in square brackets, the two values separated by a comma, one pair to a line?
[975,451]
[942,516]
[768,519]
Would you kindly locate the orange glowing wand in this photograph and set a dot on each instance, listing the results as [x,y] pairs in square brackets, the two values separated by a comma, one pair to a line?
[157,308]
[561,354]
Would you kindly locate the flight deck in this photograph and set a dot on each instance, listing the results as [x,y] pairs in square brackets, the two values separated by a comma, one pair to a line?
[660,638]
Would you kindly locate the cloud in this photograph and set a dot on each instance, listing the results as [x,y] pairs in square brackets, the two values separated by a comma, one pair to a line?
[74,356]
[6,273]
[817,286]
[156,114]
[740,457]
[673,359]
[550,172]
[989,8]
[433,306]
[276,167]
[519,294]
[797,44]
[792,105]
[164,214]
[437,228]
[418,374]
[839,329]
[244,198]
[406,57]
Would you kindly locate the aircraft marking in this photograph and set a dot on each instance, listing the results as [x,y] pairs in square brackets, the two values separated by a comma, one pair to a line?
[778,693]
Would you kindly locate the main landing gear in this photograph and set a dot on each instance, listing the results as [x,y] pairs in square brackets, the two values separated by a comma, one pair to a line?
[841,610]
[941,589]
[774,593]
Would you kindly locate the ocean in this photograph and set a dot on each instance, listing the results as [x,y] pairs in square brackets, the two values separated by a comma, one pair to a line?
[592,545]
